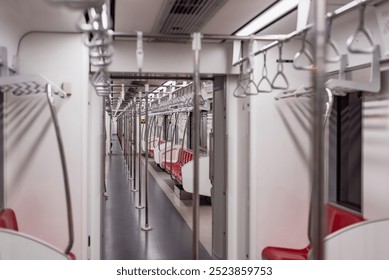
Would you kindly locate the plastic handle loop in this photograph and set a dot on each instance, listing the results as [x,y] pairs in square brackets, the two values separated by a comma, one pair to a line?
[364,32]
[264,78]
[251,87]
[239,88]
[280,72]
[303,53]
[331,45]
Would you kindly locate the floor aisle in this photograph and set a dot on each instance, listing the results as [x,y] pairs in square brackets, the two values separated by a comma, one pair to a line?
[171,238]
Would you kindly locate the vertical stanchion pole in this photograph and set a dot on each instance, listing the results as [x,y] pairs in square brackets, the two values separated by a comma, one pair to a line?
[134,130]
[196,47]
[124,139]
[317,214]
[146,227]
[140,206]
[127,140]
[3,73]
[130,141]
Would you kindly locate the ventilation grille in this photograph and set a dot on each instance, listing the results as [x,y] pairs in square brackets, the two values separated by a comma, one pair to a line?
[180,17]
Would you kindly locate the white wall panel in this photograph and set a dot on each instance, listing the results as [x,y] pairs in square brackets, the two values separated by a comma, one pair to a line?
[95,163]
[279,161]
[33,173]
[237,119]
[376,153]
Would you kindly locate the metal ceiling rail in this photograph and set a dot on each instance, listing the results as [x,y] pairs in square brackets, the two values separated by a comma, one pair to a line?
[330,16]
[211,37]
[274,44]
[151,85]
[349,7]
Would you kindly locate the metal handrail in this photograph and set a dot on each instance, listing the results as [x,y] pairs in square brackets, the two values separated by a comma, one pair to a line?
[50,101]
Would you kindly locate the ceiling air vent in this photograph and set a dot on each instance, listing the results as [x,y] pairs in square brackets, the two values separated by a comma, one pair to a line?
[185,16]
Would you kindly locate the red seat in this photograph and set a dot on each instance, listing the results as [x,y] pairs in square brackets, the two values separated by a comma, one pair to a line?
[279,253]
[185,157]
[72,256]
[336,220]
[8,220]
[167,165]
[2,224]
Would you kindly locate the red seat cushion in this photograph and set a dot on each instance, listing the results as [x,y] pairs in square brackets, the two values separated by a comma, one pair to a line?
[167,165]
[72,256]
[176,171]
[279,253]
[2,223]
[336,220]
[8,220]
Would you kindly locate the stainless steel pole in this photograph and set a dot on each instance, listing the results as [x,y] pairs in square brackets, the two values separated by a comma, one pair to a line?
[317,214]
[130,141]
[50,100]
[147,227]
[196,47]
[3,73]
[128,157]
[134,186]
[124,140]
[140,206]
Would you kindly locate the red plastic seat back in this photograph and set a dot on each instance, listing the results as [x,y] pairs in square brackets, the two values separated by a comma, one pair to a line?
[188,156]
[338,219]
[8,220]
[2,223]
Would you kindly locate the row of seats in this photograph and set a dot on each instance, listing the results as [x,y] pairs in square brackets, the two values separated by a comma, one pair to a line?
[336,220]
[184,156]
[8,221]
[152,145]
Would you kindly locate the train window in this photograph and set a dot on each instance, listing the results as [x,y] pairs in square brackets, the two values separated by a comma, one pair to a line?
[345,151]
[203,131]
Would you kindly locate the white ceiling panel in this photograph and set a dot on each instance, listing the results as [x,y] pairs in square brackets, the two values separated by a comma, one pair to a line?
[136,15]
[284,26]
[40,15]
[235,14]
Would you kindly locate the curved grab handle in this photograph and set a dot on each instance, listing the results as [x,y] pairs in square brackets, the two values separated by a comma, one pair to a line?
[332,45]
[250,85]
[268,82]
[363,31]
[239,87]
[303,52]
[50,101]
[283,77]
[280,72]
[264,77]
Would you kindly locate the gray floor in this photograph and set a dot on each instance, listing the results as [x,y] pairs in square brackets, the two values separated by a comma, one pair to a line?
[171,237]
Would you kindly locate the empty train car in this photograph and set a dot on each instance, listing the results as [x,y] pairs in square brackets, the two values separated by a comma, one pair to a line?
[194,129]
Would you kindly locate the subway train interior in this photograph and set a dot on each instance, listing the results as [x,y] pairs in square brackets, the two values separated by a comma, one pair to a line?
[194,129]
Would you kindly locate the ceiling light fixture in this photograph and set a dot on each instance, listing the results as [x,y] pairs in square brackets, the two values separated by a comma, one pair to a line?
[270,15]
